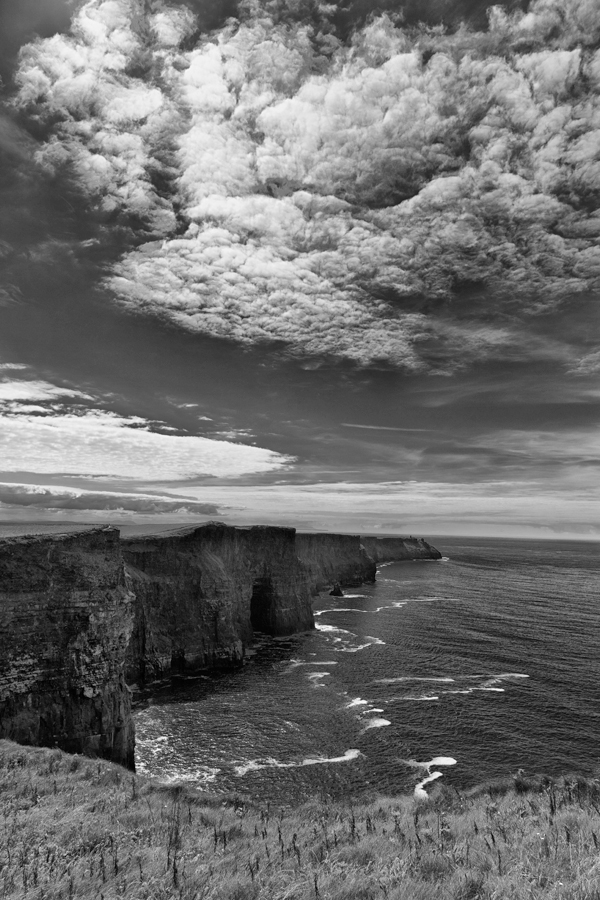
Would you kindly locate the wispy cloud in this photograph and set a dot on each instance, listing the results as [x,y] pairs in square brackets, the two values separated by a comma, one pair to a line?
[49,429]
[34,391]
[380,427]
[589,364]
[41,497]
[501,507]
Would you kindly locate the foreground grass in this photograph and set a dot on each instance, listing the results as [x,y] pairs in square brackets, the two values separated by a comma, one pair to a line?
[71,827]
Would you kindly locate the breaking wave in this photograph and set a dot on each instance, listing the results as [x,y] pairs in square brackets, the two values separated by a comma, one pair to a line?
[256,765]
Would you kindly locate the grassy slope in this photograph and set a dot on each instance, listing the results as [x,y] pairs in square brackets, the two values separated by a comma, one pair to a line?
[72,827]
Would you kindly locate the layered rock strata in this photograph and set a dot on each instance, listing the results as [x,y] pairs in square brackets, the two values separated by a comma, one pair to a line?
[66,617]
[202,592]
[331,558]
[392,549]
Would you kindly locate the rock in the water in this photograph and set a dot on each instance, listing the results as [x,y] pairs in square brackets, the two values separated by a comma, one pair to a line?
[337,591]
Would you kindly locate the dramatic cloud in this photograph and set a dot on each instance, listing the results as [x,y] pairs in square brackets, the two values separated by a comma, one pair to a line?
[42,431]
[283,186]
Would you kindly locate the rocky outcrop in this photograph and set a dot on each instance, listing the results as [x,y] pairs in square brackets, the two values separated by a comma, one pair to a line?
[66,616]
[202,592]
[391,549]
[331,558]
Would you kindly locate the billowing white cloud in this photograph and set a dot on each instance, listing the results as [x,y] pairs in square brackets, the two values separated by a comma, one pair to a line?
[320,194]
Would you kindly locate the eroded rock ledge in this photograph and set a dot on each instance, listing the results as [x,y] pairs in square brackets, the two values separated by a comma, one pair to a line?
[66,616]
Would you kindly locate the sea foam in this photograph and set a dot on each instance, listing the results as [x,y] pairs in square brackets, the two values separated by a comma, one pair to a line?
[254,765]
[376,723]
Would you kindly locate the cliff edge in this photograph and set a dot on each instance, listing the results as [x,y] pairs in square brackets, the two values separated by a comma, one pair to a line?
[392,549]
[331,558]
[66,616]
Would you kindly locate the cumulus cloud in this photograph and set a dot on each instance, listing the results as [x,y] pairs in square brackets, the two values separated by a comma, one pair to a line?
[288,187]
[44,430]
[39,496]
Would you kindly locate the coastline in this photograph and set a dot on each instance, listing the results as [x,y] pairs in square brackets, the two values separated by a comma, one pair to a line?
[85,614]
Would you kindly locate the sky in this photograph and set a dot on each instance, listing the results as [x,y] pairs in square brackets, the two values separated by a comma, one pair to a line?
[328,265]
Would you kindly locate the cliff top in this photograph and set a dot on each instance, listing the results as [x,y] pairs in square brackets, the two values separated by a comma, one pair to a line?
[131,535]
[54,532]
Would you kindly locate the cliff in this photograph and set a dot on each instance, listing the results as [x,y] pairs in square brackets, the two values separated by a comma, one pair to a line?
[201,592]
[334,557]
[81,612]
[391,549]
[65,621]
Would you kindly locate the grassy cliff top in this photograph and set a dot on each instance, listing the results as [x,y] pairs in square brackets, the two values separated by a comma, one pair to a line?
[73,827]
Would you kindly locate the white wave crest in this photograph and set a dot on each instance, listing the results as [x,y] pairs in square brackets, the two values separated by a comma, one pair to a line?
[320,612]
[402,678]
[347,644]
[254,765]
[420,792]
[294,663]
[376,723]
[436,761]
[420,699]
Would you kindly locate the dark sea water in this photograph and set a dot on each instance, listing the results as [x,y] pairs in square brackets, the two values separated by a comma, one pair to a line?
[490,657]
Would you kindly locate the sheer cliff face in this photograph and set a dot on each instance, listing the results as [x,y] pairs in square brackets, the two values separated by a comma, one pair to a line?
[392,549]
[334,557]
[201,592]
[65,621]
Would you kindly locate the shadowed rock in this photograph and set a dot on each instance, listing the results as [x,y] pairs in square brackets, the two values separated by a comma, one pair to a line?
[66,616]
[202,592]
[331,558]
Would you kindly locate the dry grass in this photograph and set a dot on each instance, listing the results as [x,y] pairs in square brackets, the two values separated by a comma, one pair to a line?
[72,827]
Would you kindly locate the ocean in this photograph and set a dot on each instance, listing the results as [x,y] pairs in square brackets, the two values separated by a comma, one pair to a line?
[485,662]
